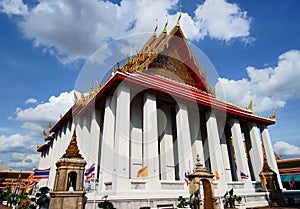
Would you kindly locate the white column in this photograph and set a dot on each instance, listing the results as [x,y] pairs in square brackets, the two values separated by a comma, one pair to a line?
[215,152]
[270,152]
[150,143]
[136,139]
[255,150]
[167,161]
[122,137]
[185,158]
[226,158]
[107,145]
[241,160]
[95,138]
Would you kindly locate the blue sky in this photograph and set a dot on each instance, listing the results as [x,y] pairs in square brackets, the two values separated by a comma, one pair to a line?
[254,46]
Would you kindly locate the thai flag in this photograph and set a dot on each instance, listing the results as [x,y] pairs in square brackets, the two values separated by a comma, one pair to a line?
[90,172]
[41,174]
[243,175]
[186,179]
[32,184]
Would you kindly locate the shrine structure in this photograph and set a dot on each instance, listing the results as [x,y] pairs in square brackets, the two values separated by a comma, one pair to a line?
[143,127]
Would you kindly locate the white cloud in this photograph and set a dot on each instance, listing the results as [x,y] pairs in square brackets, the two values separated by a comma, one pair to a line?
[15,7]
[268,87]
[30,101]
[285,149]
[222,20]
[19,150]
[35,119]
[72,30]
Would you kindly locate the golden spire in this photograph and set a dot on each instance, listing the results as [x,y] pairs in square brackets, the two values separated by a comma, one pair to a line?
[166,24]
[250,107]
[72,150]
[155,29]
[49,126]
[60,116]
[127,59]
[273,114]
[37,146]
[178,20]
[45,135]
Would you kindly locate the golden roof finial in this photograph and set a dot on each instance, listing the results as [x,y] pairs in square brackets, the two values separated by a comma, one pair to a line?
[178,20]
[155,29]
[49,126]
[273,114]
[75,98]
[91,85]
[166,24]
[82,98]
[127,59]
[37,145]
[98,85]
[250,107]
[60,116]
[45,135]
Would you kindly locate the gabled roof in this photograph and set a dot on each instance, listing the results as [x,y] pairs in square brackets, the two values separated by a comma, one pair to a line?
[170,56]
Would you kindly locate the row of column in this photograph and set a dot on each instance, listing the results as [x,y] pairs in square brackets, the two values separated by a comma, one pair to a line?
[122,150]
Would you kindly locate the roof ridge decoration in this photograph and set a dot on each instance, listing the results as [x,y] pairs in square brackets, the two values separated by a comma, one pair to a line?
[72,151]
[169,55]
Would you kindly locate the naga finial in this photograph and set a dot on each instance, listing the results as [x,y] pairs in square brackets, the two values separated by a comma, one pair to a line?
[166,24]
[178,20]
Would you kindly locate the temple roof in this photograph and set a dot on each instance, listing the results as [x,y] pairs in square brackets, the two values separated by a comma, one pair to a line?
[165,63]
[170,56]
[72,150]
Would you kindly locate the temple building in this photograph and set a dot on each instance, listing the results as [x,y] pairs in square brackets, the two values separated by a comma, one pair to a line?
[144,126]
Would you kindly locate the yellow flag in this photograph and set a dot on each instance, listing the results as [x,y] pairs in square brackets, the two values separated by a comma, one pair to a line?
[264,179]
[143,172]
[217,175]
